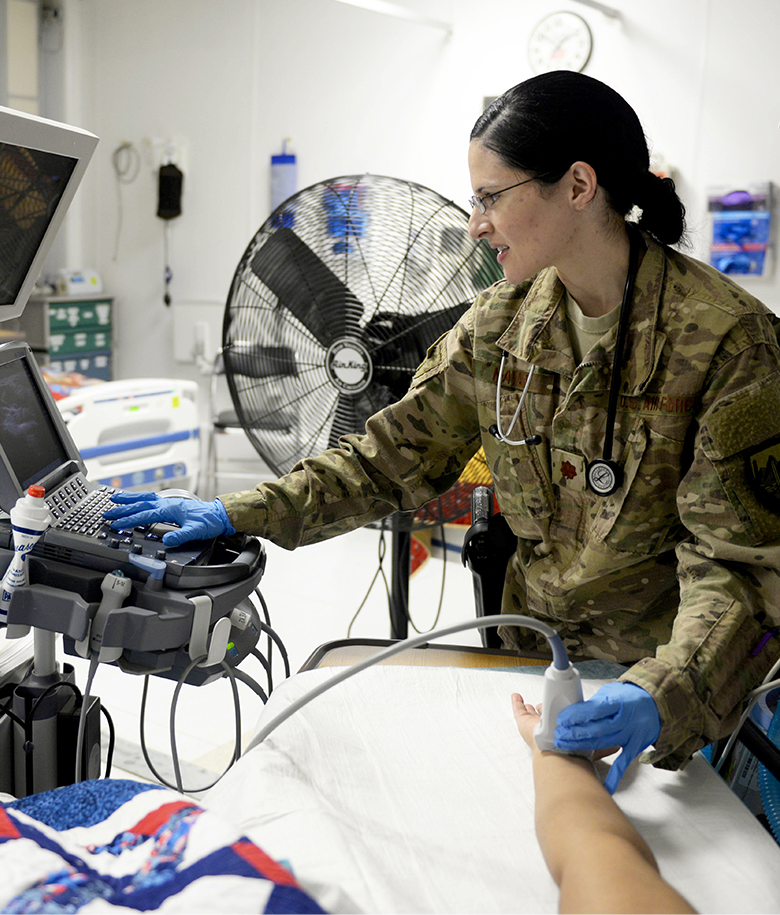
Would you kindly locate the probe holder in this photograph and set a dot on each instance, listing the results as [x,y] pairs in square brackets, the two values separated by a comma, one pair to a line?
[160,631]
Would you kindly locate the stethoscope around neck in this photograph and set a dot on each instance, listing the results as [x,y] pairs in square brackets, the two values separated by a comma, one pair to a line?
[604,476]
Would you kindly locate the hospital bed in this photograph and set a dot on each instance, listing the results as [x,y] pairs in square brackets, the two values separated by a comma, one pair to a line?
[141,433]
[408,789]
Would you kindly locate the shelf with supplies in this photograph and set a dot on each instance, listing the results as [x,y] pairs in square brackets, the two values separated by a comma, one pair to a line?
[70,333]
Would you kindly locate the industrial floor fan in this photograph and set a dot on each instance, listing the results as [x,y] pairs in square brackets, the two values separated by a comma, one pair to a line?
[332,308]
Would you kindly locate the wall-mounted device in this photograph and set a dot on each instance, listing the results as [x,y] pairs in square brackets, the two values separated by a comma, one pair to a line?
[561,41]
[741,228]
[170,185]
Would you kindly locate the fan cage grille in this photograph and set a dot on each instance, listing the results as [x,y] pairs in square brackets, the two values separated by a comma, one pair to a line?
[334,304]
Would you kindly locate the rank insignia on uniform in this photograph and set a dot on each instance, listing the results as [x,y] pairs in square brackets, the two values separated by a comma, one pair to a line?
[764,471]
[568,469]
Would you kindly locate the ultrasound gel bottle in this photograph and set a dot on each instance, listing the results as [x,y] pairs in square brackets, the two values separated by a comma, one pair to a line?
[29,519]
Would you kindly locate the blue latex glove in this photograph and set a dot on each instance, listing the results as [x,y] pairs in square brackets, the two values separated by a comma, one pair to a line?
[197,520]
[617,715]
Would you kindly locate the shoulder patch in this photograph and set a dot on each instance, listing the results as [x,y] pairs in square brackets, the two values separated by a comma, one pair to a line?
[747,421]
[742,439]
[763,472]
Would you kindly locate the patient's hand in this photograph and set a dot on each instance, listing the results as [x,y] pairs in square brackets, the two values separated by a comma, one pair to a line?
[527,717]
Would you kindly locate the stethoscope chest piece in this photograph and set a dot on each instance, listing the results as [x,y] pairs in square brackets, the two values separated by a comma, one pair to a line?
[604,477]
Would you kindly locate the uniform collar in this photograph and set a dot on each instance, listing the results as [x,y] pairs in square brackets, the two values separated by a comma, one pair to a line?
[538,333]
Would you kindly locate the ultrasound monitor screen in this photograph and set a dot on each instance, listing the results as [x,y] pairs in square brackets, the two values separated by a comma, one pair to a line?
[28,438]
[32,182]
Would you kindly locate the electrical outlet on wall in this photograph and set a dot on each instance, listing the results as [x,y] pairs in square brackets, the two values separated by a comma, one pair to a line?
[197,331]
[159,151]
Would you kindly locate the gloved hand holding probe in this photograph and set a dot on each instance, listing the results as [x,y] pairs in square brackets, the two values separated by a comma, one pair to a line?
[617,715]
[197,520]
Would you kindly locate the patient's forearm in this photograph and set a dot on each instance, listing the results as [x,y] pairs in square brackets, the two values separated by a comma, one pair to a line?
[597,858]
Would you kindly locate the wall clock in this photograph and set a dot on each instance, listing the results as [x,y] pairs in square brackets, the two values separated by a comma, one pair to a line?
[561,41]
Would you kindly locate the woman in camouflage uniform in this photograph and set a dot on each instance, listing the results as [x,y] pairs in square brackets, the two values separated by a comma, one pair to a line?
[673,568]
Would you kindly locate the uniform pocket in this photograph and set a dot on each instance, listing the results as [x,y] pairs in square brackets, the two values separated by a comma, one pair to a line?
[642,516]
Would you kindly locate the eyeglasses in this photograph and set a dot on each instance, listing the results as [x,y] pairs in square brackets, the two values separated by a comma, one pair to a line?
[479,202]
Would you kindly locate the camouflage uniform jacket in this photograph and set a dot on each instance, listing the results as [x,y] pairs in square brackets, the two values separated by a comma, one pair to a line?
[677,573]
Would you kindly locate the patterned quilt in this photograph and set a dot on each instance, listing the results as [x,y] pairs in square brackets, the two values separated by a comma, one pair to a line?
[108,845]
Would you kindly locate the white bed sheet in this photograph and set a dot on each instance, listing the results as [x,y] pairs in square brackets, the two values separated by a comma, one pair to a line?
[408,789]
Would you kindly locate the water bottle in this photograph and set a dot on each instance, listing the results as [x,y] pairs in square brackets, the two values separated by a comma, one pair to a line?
[30,517]
[284,177]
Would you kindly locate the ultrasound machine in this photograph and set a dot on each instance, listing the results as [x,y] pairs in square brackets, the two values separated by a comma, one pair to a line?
[184,613]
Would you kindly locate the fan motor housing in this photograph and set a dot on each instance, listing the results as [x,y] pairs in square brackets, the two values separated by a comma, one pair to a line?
[349,366]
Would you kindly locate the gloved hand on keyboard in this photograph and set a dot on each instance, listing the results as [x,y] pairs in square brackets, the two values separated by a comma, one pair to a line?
[197,520]
[617,715]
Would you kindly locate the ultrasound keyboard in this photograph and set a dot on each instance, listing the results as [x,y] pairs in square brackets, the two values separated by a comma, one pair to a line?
[77,507]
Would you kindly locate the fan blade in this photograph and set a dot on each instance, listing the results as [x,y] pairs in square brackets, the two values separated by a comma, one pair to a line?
[398,343]
[427,328]
[257,361]
[306,286]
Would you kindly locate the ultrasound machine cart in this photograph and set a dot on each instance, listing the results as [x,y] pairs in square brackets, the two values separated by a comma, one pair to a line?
[181,612]
[183,603]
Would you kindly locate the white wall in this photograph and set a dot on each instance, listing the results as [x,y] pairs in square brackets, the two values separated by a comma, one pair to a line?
[703,76]
[361,92]
[227,81]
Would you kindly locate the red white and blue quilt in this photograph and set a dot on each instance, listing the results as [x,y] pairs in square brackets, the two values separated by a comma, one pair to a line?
[116,844]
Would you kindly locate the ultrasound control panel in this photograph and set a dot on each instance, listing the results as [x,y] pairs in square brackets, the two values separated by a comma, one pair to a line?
[78,508]
[79,536]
